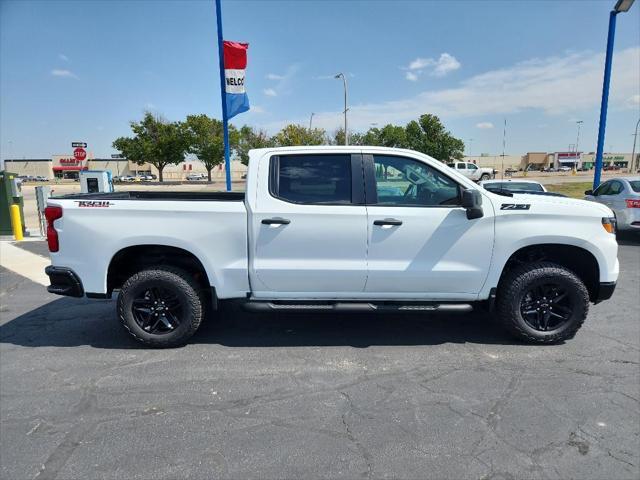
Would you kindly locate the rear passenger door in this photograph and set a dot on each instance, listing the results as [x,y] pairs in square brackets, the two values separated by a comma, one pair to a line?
[310,229]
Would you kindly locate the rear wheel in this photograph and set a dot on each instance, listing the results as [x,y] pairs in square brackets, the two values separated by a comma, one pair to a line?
[485,176]
[161,307]
[542,303]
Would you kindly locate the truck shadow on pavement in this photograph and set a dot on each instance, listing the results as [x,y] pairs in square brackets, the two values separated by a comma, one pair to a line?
[69,322]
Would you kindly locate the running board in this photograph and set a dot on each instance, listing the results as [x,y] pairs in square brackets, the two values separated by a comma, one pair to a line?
[260,306]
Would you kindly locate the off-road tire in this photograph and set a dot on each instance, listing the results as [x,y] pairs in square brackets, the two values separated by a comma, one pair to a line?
[185,287]
[514,286]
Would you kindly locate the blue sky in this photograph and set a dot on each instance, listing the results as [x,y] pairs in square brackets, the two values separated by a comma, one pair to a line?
[80,71]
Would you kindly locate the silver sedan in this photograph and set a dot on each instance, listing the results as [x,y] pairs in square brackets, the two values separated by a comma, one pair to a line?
[622,195]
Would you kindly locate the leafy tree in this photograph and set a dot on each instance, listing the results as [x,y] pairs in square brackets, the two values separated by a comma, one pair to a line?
[299,135]
[155,141]
[429,136]
[250,138]
[355,138]
[207,140]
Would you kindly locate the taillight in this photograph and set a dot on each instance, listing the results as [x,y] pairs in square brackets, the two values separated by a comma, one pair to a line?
[633,202]
[51,214]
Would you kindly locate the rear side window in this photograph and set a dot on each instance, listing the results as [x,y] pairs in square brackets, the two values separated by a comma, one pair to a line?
[312,179]
[616,188]
[635,185]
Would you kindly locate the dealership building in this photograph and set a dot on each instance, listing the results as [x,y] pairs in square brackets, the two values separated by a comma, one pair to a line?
[68,167]
[539,160]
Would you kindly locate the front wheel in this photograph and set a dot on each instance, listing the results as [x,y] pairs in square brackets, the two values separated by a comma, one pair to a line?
[161,307]
[485,176]
[542,303]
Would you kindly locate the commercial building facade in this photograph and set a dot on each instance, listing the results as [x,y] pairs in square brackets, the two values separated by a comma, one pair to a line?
[67,167]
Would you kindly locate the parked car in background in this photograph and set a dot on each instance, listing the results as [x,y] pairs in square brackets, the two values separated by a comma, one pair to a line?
[511,170]
[549,169]
[126,178]
[195,177]
[622,195]
[472,171]
[40,178]
[610,168]
[564,169]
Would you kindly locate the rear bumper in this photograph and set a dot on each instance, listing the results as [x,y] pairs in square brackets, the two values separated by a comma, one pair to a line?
[64,281]
[605,291]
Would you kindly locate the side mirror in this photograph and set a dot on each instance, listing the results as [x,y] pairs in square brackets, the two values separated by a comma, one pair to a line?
[472,202]
[588,192]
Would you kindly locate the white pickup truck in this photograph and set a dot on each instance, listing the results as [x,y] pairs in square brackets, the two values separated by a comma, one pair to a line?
[335,228]
[472,171]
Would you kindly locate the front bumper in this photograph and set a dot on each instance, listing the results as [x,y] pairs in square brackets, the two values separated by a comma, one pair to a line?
[64,281]
[605,291]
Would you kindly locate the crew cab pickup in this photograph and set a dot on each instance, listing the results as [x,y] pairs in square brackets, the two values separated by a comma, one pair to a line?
[335,229]
[472,171]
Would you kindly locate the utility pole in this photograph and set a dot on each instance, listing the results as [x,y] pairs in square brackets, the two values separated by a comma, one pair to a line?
[311,120]
[633,152]
[346,131]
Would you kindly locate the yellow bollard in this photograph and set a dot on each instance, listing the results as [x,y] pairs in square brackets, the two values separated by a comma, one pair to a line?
[16,222]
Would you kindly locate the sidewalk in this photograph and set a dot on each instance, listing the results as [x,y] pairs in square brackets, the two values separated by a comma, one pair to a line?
[26,258]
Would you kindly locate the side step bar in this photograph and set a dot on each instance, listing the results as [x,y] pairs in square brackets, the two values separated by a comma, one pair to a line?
[261,306]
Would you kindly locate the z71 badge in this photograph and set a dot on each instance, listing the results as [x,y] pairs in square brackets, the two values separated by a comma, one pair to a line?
[515,206]
[94,203]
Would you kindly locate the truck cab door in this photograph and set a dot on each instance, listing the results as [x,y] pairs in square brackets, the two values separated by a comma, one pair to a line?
[308,227]
[421,243]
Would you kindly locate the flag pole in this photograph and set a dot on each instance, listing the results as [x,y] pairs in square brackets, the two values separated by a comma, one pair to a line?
[223,98]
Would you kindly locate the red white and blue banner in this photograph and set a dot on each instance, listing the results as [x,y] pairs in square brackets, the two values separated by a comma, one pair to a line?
[235,64]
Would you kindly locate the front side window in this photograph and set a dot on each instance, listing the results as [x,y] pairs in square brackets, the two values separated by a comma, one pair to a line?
[471,166]
[616,188]
[312,179]
[602,189]
[403,181]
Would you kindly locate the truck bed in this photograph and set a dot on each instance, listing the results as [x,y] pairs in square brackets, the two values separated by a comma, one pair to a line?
[155,195]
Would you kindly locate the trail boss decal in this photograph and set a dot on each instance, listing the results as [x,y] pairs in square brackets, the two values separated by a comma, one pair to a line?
[94,203]
[515,206]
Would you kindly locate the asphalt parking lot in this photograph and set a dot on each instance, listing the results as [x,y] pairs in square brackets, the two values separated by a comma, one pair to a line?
[310,396]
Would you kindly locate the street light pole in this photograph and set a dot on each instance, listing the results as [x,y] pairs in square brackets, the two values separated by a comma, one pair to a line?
[621,6]
[311,120]
[633,152]
[579,122]
[346,131]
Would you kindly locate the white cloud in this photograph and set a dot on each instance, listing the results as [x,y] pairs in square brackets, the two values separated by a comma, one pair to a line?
[63,57]
[420,63]
[564,84]
[274,76]
[256,109]
[411,76]
[63,73]
[445,64]
[484,125]
[439,68]
[270,92]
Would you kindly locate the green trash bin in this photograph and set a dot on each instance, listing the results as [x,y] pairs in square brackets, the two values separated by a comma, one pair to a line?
[10,194]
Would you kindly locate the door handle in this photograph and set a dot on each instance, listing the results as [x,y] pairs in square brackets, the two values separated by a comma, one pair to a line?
[388,221]
[276,221]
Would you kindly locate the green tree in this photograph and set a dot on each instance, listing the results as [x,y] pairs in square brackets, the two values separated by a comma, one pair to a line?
[387,136]
[250,138]
[428,135]
[292,135]
[207,140]
[155,141]
[355,138]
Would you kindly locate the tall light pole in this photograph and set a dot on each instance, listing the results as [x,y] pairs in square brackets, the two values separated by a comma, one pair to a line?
[311,120]
[470,143]
[621,6]
[633,152]
[575,165]
[346,131]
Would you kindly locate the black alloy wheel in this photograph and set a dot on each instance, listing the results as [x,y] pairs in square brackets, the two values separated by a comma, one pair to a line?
[546,307]
[157,310]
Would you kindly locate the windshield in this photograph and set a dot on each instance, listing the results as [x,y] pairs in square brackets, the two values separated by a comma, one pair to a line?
[515,186]
[635,185]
